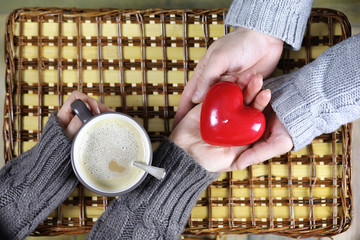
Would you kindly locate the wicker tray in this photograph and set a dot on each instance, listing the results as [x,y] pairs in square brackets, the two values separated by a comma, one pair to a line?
[138,62]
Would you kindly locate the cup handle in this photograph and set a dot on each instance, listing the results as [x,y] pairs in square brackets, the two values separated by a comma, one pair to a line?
[80,109]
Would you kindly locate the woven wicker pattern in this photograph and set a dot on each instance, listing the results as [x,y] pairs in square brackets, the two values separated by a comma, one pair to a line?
[138,62]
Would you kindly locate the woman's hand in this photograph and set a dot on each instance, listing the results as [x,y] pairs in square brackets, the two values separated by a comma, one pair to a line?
[213,158]
[72,123]
[241,53]
[275,141]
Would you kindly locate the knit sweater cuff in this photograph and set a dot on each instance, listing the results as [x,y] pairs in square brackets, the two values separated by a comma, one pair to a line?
[35,183]
[175,196]
[292,110]
[184,179]
[282,19]
[321,96]
[157,209]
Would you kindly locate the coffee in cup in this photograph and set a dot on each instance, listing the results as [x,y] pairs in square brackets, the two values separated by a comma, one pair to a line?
[104,150]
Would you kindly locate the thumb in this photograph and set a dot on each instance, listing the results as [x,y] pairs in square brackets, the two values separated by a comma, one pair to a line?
[186,104]
[215,67]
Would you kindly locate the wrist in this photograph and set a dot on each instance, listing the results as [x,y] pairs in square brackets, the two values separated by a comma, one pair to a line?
[179,141]
[285,20]
[271,40]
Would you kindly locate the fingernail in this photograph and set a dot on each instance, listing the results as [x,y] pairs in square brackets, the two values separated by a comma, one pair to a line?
[266,92]
[232,79]
[256,80]
[259,78]
[196,96]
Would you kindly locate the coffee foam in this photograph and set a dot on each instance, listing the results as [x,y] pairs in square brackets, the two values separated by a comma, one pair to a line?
[111,140]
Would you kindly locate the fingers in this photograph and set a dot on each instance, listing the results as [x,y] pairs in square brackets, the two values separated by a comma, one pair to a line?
[252,89]
[214,68]
[244,78]
[95,106]
[254,96]
[186,104]
[69,121]
[73,127]
[65,114]
[263,151]
[262,100]
[104,108]
[249,82]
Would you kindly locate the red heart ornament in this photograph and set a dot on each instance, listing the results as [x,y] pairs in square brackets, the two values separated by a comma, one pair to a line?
[225,121]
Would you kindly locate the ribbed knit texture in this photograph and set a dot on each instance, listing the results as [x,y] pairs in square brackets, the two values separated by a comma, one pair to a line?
[321,96]
[283,19]
[157,209]
[35,183]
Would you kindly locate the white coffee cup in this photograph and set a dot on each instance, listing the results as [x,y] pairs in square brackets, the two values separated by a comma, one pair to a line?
[104,149]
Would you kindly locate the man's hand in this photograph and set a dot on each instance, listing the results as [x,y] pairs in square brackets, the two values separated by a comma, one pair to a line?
[242,53]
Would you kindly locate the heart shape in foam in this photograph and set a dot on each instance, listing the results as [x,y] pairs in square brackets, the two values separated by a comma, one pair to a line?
[225,121]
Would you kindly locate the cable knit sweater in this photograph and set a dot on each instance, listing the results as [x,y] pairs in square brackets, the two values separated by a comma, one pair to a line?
[322,95]
[34,184]
[283,19]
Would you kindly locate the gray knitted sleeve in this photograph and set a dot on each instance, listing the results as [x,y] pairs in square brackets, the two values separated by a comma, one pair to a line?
[157,209]
[35,183]
[283,19]
[322,95]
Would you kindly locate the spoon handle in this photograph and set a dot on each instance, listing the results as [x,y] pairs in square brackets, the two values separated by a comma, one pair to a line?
[159,173]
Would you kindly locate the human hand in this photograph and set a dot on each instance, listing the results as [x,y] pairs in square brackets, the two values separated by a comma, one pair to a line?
[72,123]
[241,53]
[214,158]
[275,141]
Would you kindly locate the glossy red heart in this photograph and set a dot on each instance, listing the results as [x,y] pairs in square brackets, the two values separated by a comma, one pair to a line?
[225,121]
